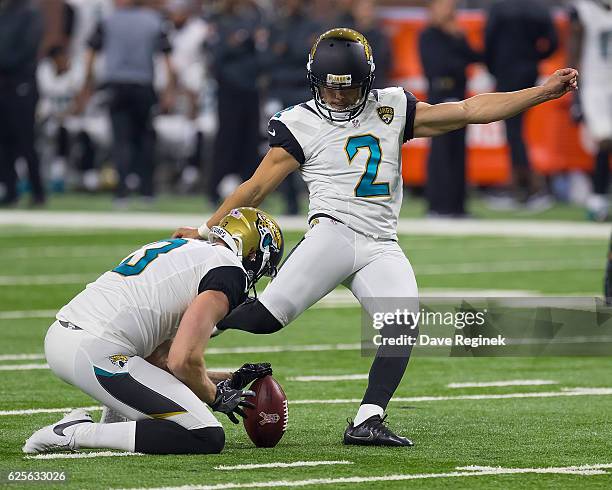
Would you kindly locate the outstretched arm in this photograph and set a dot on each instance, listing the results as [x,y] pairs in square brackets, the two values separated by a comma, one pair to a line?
[433,120]
[272,170]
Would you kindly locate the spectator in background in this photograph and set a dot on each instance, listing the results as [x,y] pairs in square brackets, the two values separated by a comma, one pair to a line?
[21,31]
[518,35]
[366,22]
[130,38]
[60,80]
[236,67]
[328,14]
[591,53]
[445,56]
[290,36]
[187,37]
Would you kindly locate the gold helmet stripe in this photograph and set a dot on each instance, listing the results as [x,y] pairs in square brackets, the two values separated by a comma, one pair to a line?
[347,34]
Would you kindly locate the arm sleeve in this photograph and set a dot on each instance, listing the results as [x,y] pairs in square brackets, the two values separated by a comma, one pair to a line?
[96,40]
[411,102]
[230,280]
[280,136]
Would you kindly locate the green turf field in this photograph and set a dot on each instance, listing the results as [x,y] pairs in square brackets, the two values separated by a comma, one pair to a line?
[41,270]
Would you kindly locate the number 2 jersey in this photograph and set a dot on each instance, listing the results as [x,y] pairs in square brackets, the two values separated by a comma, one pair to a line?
[139,304]
[353,169]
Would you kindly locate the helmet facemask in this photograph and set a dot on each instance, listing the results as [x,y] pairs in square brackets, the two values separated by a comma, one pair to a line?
[336,114]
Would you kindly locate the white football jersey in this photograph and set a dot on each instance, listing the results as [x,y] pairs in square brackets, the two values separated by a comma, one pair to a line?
[353,169]
[596,64]
[139,304]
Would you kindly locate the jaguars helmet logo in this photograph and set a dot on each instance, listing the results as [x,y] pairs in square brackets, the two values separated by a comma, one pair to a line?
[386,114]
[119,360]
[269,233]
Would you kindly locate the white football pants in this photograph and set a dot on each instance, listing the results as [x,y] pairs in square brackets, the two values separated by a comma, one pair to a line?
[332,254]
[122,380]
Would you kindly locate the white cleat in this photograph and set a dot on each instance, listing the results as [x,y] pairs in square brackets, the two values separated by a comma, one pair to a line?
[58,436]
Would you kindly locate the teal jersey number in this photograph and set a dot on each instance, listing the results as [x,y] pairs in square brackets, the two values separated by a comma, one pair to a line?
[367,187]
[136,263]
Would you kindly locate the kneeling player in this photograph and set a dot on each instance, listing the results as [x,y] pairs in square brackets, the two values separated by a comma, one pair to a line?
[134,340]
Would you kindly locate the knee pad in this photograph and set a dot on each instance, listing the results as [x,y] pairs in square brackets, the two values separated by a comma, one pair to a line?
[213,439]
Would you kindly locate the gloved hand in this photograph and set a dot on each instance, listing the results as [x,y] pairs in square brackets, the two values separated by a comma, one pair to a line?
[230,400]
[249,373]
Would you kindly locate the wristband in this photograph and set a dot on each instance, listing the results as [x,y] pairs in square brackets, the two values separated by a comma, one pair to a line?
[203,231]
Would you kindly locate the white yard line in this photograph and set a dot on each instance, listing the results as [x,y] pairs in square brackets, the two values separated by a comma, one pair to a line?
[47,279]
[264,349]
[35,411]
[420,270]
[65,252]
[21,357]
[25,314]
[586,470]
[512,382]
[415,399]
[503,267]
[23,367]
[296,464]
[339,377]
[93,454]
[87,251]
[169,222]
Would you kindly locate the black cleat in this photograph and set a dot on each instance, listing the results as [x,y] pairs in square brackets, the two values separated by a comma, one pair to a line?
[373,432]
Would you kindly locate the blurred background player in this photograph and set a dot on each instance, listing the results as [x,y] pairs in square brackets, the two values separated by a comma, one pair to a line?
[591,52]
[290,34]
[518,35]
[366,21]
[445,56]
[233,48]
[134,340]
[180,132]
[60,80]
[130,38]
[21,31]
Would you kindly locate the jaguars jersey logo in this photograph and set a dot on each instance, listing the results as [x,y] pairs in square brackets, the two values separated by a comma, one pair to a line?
[119,360]
[386,114]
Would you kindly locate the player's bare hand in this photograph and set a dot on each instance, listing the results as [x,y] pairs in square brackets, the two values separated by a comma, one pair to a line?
[187,232]
[561,82]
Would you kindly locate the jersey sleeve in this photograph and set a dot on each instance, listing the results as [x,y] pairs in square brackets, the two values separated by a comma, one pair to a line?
[229,280]
[279,135]
[411,102]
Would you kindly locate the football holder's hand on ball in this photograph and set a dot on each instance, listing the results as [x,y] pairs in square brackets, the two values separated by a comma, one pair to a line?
[230,401]
[249,373]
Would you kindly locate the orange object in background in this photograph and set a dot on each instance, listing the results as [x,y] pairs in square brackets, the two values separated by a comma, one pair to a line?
[554,141]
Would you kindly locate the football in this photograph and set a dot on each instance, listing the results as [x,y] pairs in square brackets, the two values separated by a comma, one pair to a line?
[266,423]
